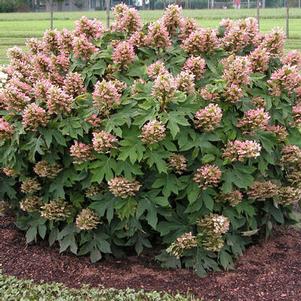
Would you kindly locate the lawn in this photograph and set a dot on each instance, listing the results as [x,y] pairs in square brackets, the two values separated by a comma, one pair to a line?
[15,28]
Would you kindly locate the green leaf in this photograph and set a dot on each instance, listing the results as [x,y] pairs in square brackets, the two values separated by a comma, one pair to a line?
[226,260]
[168,183]
[95,255]
[103,168]
[53,236]
[125,208]
[176,118]
[136,70]
[104,207]
[193,192]
[42,229]
[208,200]
[131,148]
[149,207]
[157,158]
[208,158]
[31,234]
[68,242]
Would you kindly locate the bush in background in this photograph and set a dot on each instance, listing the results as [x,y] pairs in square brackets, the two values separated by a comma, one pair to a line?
[167,135]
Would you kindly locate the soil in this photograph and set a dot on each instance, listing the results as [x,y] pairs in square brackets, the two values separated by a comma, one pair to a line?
[269,271]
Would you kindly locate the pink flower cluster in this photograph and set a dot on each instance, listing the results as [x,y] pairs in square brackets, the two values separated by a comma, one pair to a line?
[91,29]
[291,156]
[254,119]
[103,142]
[106,96]
[41,88]
[233,93]
[83,48]
[6,129]
[66,41]
[296,113]
[42,63]
[126,19]
[74,84]
[187,26]
[240,34]
[259,59]
[158,36]
[34,116]
[51,40]
[185,82]
[237,70]
[262,190]
[34,45]
[233,198]
[274,42]
[123,53]
[178,163]
[123,188]
[156,69]
[172,18]
[208,175]
[209,95]
[81,152]
[240,150]
[196,65]
[164,87]
[287,78]
[58,101]
[280,132]
[153,132]
[14,99]
[209,118]
[292,58]
[137,39]
[94,120]
[201,41]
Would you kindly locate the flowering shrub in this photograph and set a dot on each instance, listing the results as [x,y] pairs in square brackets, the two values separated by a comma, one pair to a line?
[166,134]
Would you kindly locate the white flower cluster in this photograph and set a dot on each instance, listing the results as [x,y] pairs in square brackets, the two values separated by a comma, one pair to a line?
[3,77]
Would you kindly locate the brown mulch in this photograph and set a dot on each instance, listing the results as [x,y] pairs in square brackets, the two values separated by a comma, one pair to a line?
[270,271]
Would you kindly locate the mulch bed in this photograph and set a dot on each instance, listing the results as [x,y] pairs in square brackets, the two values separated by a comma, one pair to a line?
[270,271]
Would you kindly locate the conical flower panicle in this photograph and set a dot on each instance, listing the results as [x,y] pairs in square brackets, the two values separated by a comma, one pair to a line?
[263,190]
[238,150]
[233,198]
[103,142]
[153,132]
[30,185]
[209,118]
[81,152]
[87,220]
[178,163]
[34,117]
[56,210]
[123,188]
[185,242]
[208,175]
[31,203]
[46,170]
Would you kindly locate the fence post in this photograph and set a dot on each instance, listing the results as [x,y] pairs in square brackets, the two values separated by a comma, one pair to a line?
[51,14]
[287,19]
[108,4]
[258,12]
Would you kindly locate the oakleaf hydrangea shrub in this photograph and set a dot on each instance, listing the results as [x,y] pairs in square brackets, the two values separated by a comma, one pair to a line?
[164,135]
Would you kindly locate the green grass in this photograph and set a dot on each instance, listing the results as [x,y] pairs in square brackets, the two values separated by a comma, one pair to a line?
[15,28]
[13,289]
